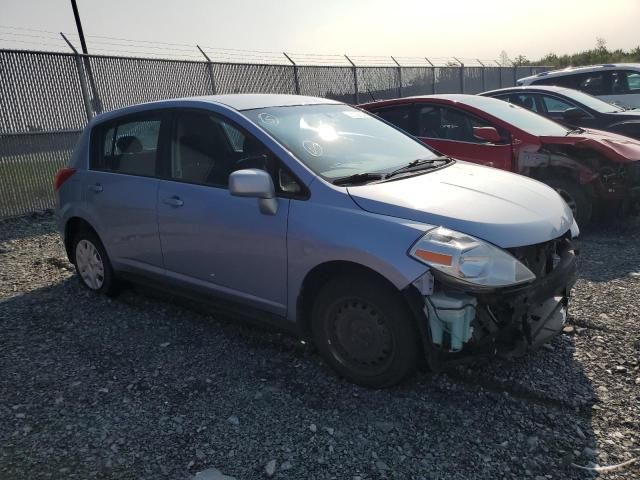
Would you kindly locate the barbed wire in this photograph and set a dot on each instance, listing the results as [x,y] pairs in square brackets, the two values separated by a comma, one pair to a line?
[111,45]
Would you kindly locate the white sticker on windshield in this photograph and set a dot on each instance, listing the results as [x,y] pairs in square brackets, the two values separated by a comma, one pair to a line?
[313,148]
[268,119]
[355,114]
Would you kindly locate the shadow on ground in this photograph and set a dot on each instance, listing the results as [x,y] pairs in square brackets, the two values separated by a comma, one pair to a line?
[138,387]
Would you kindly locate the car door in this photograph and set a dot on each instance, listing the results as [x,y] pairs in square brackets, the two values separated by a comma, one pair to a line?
[450,131]
[121,188]
[209,238]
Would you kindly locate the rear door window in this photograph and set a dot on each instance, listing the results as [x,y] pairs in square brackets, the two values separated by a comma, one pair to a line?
[399,115]
[525,100]
[594,83]
[129,145]
[569,81]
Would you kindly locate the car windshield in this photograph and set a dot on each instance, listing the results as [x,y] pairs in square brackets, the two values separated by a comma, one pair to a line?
[592,102]
[338,140]
[524,119]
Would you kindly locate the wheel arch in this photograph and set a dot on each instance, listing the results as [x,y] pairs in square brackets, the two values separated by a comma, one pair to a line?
[319,276]
[71,228]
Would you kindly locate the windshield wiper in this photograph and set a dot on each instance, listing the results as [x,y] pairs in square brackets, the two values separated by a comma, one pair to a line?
[357,178]
[418,164]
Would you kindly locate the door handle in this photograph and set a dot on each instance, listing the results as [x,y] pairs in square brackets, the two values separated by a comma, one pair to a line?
[174,201]
[96,188]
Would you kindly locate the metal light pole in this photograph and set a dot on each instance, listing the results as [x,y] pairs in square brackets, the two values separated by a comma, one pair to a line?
[76,15]
[96,104]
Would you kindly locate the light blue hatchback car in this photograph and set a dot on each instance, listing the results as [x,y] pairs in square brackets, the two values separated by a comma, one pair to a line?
[324,219]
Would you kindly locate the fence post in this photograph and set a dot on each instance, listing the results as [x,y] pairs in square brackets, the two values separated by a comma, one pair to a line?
[461,74]
[433,76]
[484,83]
[83,81]
[210,69]
[399,77]
[515,74]
[295,73]
[356,95]
[499,73]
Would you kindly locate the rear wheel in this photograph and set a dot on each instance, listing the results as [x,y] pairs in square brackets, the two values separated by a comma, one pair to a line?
[364,331]
[576,197]
[92,263]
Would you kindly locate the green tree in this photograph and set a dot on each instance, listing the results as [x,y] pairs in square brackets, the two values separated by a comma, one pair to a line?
[597,55]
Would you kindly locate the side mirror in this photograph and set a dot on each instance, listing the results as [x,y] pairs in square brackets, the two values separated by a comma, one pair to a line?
[488,134]
[257,184]
[572,114]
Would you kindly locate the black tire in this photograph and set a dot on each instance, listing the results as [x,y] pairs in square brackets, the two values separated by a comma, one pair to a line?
[577,197]
[365,331]
[108,284]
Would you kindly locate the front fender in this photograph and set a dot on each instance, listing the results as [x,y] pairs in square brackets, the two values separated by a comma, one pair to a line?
[319,233]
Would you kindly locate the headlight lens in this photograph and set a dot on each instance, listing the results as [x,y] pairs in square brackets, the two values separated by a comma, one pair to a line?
[470,259]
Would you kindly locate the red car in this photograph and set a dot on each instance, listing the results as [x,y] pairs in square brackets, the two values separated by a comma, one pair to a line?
[590,169]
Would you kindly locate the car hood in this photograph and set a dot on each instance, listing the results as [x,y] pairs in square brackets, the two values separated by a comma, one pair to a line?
[617,148]
[503,208]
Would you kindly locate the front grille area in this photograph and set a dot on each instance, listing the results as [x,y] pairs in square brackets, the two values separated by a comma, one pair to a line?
[633,173]
[540,258]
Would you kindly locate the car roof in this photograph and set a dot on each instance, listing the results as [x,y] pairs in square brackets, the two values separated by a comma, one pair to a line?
[240,102]
[583,69]
[539,88]
[471,100]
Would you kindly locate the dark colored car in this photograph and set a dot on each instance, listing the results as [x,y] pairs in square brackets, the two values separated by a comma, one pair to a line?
[588,168]
[572,108]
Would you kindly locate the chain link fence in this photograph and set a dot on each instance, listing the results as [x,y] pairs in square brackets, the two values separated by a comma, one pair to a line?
[46,99]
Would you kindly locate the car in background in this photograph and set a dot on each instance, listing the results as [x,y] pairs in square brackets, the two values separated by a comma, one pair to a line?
[325,220]
[588,168]
[572,108]
[614,83]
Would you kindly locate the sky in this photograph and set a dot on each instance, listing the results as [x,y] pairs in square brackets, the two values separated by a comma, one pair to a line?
[403,28]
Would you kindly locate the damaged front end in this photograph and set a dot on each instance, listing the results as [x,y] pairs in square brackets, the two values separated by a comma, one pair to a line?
[461,321]
[610,177]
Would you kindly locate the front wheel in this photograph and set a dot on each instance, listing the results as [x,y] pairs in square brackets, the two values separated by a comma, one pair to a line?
[364,330]
[576,197]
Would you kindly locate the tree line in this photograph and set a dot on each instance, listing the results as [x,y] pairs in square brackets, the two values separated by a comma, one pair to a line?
[599,54]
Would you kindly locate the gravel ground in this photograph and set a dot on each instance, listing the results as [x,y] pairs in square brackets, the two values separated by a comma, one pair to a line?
[144,387]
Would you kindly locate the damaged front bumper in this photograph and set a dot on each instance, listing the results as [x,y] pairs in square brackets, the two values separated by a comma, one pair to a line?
[460,322]
[622,184]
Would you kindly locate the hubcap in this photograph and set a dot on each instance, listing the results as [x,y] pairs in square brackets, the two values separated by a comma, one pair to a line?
[359,337]
[89,264]
[569,200]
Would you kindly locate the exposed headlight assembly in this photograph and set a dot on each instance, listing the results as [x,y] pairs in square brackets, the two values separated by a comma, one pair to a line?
[469,259]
